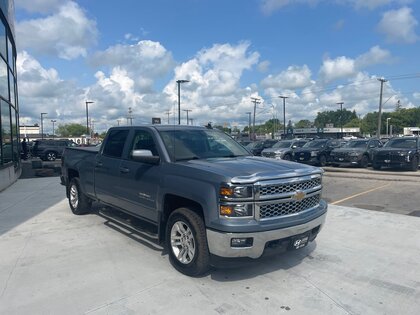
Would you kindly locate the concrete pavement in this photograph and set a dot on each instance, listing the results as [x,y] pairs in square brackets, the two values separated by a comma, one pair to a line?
[52,262]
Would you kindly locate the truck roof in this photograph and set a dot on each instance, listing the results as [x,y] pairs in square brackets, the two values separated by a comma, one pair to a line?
[163,127]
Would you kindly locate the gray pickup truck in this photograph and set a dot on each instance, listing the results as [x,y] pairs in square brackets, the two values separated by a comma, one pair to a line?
[205,194]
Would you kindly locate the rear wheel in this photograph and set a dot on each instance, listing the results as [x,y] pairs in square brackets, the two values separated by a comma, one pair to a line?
[376,166]
[364,161]
[51,156]
[187,242]
[322,160]
[414,164]
[79,203]
[287,157]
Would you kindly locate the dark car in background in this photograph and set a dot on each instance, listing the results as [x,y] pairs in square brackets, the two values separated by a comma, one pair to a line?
[355,152]
[283,149]
[398,152]
[316,152]
[50,150]
[258,146]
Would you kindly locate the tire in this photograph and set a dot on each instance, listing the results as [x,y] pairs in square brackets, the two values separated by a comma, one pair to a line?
[376,166]
[50,156]
[364,162]
[79,203]
[322,160]
[287,157]
[414,164]
[187,242]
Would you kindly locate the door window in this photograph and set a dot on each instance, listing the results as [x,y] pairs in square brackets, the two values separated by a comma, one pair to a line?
[143,140]
[115,143]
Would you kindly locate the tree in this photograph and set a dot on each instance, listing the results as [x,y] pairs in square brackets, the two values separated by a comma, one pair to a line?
[304,123]
[71,130]
[336,117]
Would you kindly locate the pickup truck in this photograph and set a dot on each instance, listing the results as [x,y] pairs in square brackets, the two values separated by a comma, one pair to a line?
[206,194]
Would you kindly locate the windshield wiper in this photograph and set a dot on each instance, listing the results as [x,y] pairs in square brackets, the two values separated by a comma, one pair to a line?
[194,157]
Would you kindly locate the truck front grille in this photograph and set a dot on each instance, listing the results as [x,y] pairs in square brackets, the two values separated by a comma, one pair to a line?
[289,187]
[286,208]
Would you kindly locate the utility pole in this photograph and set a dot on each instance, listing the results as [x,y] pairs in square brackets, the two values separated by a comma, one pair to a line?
[187,110]
[87,116]
[249,125]
[255,101]
[341,116]
[130,117]
[378,132]
[179,98]
[192,121]
[284,114]
[118,122]
[168,112]
[42,125]
[53,122]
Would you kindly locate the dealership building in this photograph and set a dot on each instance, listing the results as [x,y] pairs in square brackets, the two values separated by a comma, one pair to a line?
[10,167]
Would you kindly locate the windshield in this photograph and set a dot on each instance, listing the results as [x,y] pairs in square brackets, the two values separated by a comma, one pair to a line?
[200,144]
[402,143]
[282,144]
[356,144]
[315,144]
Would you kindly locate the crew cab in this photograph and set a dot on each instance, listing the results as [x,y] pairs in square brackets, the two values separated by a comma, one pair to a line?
[202,191]
[355,152]
[401,152]
[316,152]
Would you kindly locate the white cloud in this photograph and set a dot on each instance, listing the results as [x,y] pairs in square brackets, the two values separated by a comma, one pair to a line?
[66,34]
[294,77]
[399,26]
[263,66]
[144,62]
[340,67]
[376,55]
[374,4]
[269,6]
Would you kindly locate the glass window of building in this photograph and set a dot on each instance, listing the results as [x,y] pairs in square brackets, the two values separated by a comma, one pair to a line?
[15,141]
[10,53]
[3,50]
[4,84]
[12,88]
[6,133]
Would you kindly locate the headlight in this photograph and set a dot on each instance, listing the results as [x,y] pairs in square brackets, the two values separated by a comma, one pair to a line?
[231,192]
[314,153]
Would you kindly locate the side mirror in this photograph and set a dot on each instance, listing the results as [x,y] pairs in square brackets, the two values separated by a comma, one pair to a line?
[145,156]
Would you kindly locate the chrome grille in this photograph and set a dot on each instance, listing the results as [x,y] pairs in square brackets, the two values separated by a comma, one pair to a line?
[289,187]
[281,209]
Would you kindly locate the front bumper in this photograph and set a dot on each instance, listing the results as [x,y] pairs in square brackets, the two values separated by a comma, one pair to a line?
[220,242]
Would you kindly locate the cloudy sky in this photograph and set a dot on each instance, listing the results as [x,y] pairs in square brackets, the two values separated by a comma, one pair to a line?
[128,54]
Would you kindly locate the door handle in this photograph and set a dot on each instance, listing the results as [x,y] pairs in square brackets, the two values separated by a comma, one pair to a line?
[124,170]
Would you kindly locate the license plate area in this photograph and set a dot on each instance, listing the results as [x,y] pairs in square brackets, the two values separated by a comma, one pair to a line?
[299,241]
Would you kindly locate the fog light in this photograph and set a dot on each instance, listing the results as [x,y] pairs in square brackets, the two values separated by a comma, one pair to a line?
[241,242]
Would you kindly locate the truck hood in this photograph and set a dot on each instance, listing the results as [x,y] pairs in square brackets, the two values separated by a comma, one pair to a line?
[250,169]
[394,150]
[276,150]
[348,150]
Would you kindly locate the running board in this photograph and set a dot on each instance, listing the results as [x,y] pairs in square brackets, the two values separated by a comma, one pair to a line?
[130,222]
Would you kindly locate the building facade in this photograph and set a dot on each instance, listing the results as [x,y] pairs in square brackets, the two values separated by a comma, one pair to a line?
[10,167]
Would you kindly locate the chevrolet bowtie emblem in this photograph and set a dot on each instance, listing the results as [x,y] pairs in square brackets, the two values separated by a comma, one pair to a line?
[299,195]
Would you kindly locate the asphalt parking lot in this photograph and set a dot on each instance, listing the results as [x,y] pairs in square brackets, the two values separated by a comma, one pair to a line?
[52,262]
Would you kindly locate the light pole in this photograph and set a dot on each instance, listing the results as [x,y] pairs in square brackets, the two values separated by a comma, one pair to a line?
[53,121]
[42,125]
[341,116]
[284,114]
[378,132]
[179,98]
[87,117]
[256,101]
[387,124]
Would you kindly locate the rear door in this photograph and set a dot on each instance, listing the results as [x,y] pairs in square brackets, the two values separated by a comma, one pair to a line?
[139,181]
[107,167]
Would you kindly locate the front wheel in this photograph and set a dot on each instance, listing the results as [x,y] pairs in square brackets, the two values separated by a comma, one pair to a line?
[79,203]
[364,161]
[287,157]
[322,160]
[414,164]
[187,242]
[376,166]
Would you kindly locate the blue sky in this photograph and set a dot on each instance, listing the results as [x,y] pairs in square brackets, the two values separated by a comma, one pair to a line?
[130,53]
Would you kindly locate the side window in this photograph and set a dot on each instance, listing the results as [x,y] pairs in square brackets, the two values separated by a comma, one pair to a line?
[143,140]
[115,143]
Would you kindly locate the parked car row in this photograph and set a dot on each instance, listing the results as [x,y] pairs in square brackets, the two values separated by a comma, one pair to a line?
[50,150]
[400,152]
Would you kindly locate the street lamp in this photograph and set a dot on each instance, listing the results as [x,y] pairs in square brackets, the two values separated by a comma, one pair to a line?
[387,124]
[179,98]
[249,125]
[87,116]
[284,114]
[42,125]
[53,121]
[341,116]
